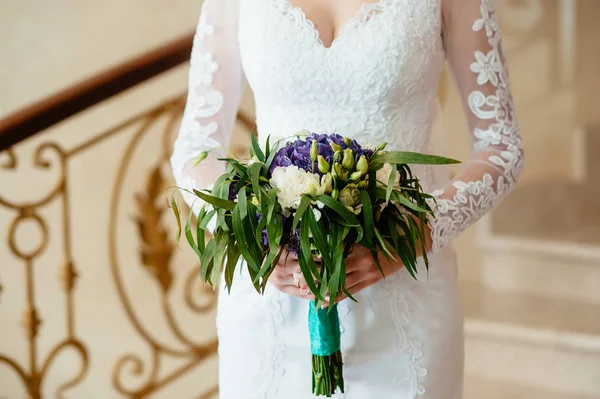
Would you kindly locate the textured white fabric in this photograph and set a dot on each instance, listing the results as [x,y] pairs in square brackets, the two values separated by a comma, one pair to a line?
[376,82]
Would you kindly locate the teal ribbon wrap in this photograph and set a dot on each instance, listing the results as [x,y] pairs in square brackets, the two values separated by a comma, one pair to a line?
[324,328]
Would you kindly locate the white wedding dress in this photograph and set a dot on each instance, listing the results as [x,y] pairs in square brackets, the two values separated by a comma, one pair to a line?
[377,82]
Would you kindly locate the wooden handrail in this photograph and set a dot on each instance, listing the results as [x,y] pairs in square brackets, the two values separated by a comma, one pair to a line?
[54,109]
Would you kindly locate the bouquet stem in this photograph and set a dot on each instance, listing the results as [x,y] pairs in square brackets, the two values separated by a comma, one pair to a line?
[327,365]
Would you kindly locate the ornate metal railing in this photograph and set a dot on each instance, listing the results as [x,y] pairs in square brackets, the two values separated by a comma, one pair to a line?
[156,249]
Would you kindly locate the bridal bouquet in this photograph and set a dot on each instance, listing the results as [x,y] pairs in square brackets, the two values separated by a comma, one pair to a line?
[315,197]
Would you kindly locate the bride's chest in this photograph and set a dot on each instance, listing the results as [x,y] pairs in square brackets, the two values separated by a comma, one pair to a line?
[388,43]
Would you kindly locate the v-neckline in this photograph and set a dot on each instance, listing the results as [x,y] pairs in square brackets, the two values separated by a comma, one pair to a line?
[353,21]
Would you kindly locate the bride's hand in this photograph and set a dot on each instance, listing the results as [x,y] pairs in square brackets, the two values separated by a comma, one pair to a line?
[288,278]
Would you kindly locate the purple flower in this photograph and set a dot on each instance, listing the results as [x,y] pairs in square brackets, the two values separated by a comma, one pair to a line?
[298,152]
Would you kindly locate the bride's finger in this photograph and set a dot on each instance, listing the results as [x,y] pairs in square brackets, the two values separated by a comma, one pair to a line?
[353,279]
[303,293]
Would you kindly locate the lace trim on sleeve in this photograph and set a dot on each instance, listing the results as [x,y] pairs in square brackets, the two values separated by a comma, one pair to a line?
[203,102]
[500,141]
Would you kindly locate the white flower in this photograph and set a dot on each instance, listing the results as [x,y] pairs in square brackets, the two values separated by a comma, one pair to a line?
[291,183]
[487,67]
[383,175]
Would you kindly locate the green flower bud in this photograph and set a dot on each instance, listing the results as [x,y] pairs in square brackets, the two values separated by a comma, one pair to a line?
[348,161]
[362,165]
[335,147]
[350,195]
[335,193]
[201,157]
[362,184]
[355,176]
[347,140]
[339,173]
[337,155]
[381,147]
[327,182]
[323,164]
[314,152]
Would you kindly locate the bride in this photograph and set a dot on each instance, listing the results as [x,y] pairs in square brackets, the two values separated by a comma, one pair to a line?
[367,70]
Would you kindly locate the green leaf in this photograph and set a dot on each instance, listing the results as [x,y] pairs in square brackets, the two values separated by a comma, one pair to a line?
[207,218]
[308,256]
[215,201]
[236,164]
[233,255]
[384,246]
[220,249]
[200,232]
[339,267]
[402,157]
[257,150]
[380,193]
[254,170]
[342,211]
[306,272]
[409,204]
[272,203]
[243,241]
[318,238]
[304,203]
[242,203]
[365,199]
[408,259]
[390,184]
[268,146]
[206,259]
[177,217]
[189,236]
[265,278]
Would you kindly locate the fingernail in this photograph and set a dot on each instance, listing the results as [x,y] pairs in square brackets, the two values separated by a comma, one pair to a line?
[327,298]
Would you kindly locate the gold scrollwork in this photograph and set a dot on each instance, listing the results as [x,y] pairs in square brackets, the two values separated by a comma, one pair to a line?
[156,256]
[33,376]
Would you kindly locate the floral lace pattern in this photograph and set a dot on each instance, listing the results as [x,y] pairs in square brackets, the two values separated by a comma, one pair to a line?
[499,141]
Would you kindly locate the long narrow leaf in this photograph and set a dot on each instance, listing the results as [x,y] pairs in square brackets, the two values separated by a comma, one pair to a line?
[307,251]
[254,170]
[257,150]
[220,248]
[242,241]
[318,238]
[189,236]
[339,209]
[400,157]
[175,208]
[304,203]
[365,199]
[215,201]
[206,260]
[233,255]
[390,184]
[306,272]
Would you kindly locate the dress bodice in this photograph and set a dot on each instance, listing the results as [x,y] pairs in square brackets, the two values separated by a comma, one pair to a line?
[377,82]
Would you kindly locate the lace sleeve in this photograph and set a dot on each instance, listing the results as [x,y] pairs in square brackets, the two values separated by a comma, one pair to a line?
[474,52]
[216,83]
